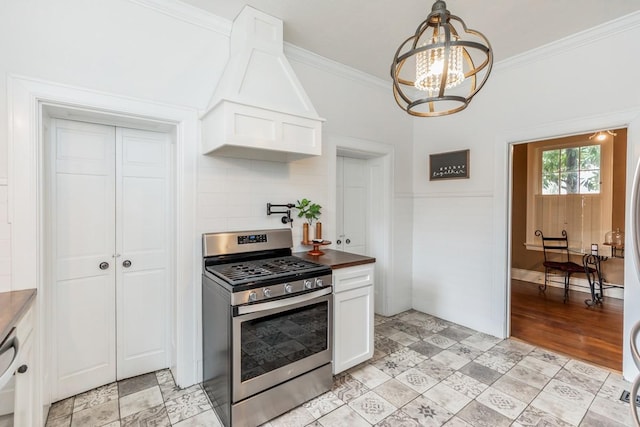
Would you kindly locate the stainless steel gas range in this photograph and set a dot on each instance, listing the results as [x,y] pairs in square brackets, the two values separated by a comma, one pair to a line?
[267,326]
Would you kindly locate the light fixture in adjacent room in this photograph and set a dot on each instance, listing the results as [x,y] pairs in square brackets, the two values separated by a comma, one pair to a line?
[439,69]
[602,135]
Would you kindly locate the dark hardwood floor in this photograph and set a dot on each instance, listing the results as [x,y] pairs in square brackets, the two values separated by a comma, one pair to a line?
[591,334]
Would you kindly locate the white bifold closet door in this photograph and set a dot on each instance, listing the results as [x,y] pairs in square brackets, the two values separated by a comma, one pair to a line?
[110,229]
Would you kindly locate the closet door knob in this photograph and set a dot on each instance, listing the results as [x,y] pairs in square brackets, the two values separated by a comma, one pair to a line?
[103,265]
[126,263]
[348,241]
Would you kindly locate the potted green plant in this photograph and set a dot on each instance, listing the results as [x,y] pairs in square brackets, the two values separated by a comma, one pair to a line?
[309,211]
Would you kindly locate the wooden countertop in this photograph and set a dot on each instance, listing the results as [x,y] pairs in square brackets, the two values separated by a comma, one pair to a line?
[336,259]
[13,305]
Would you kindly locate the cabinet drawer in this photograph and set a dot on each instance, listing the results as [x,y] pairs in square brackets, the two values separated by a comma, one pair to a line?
[345,279]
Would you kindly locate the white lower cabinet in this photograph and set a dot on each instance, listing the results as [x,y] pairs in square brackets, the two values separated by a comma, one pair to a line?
[352,316]
[26,393]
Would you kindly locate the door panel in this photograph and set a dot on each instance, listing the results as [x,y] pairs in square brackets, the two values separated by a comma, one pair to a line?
[86,321]
[339,203]
[83,312]
[82,210]
[111,202]
[142,230]
[84,148]
[353,204]
[355,219]
[142,344]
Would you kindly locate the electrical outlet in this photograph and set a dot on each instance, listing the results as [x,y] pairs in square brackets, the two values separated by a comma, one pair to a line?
[626,395]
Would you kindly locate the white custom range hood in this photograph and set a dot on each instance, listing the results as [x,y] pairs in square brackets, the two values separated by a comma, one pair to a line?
[259,109]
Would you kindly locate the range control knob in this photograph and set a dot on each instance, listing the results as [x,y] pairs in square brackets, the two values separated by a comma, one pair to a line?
[319,283]
[267,292]
[253,296]
[287,288]
[308,284]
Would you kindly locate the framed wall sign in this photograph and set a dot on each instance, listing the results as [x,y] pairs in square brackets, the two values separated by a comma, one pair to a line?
[451,165]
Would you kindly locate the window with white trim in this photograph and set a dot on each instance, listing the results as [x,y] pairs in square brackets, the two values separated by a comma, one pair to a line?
[569,188]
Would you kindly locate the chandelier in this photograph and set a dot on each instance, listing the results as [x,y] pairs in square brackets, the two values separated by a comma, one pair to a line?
[436,71]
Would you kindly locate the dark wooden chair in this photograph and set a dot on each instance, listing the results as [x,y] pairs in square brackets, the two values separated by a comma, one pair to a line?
[556,258]
[594,276]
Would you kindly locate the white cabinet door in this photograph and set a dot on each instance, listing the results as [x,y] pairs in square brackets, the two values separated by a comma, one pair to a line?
[83,239]
[110,232]
[142,230]
[353,316]
[26,411]
[26,387]
[352,205]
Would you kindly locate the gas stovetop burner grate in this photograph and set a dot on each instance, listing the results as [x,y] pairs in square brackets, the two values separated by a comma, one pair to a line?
[247,271]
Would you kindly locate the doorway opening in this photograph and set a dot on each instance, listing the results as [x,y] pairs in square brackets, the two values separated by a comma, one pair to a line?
[363,206]
[108,253]
[576,184]
[28,99]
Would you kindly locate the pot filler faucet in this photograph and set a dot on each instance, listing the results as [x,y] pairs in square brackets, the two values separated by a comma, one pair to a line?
[282,209]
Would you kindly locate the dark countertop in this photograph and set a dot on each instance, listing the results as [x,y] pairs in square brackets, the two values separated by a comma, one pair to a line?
[336,259]
[13,305]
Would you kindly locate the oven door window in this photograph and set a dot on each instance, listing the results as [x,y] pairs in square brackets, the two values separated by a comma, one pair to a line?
[277,340]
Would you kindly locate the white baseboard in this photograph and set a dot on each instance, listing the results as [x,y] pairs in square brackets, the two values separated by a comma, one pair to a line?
[577,284]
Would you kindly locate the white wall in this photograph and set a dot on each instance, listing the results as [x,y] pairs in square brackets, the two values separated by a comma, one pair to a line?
[362,107]
[233,193]
[114,47]
[124,47]
[460,227]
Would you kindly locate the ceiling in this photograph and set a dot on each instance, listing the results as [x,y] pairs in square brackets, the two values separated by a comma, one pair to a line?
[365,34]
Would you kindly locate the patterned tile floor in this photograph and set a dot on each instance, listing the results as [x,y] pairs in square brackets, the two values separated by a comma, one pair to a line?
[425,372]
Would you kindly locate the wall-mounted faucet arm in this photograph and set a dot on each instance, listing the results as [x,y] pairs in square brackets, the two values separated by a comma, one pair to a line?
[283,209]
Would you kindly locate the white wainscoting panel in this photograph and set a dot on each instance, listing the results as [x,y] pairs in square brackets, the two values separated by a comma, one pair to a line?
[452,262]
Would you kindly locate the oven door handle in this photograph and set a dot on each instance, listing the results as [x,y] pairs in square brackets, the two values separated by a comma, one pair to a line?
[254,308]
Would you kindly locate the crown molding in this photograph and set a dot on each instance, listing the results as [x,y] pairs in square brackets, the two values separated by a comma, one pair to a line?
[187,13]
[202,18]
[557,47]
[306,57]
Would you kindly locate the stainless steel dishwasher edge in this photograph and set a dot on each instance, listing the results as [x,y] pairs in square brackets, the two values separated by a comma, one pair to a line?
[9,345]
[9,358]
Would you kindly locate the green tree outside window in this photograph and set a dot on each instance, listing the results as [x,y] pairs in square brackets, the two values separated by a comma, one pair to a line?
[574,170]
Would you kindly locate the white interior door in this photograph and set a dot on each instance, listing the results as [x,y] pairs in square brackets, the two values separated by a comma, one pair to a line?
[83,238]
[110,200]
[142,236]
[352,204]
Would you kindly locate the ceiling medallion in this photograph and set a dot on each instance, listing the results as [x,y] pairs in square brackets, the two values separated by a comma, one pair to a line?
[439,69]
